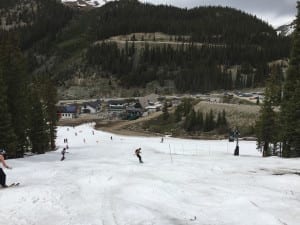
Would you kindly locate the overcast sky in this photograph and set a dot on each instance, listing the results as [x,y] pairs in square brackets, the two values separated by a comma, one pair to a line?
[275,12]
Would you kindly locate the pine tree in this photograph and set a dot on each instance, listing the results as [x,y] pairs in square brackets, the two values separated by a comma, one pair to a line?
[190,121]
[166,114]
[224,122]
[290,107]
[16,81]
[178,113]
[38,127]
[199,119]
[8,139]
[266,126]
[50,100]
[209,123]
[219,120]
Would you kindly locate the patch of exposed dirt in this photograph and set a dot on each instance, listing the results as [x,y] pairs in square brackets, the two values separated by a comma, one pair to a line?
[125,127]
[122,127]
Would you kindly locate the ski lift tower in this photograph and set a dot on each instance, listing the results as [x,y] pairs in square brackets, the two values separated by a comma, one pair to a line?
[236,137]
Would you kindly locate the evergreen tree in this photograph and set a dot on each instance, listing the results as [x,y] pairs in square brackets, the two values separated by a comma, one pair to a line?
[219,119]
[224,122]
[209,123]
[290,107]
[199,119]
[266,126]
[50,100]
[178,113]
[38,127]
[190,121]
[8,139]
[16,79]
[165,111]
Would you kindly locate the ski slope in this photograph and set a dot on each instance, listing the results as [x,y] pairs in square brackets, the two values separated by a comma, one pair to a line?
[102,183]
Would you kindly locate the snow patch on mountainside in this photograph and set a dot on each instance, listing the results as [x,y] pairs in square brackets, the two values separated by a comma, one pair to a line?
[83,3]
[286,30]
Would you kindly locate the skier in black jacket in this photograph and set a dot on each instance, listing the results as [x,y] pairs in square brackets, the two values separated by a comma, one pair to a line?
[137,153]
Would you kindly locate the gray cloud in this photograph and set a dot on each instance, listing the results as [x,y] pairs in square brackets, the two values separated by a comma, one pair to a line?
[275,12]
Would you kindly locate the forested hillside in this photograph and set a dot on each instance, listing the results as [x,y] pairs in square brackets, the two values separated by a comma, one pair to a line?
[206,48]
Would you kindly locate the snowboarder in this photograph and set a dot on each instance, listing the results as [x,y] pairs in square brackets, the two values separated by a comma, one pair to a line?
[63,152]
[137,153]
[2,174]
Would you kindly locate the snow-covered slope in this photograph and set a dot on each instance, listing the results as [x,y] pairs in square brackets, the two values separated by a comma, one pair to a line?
[182,182]
[83,3]
[286,30]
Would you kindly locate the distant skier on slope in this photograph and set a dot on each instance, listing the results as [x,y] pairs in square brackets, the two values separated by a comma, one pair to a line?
[2,174]
[137,153]
[63,152]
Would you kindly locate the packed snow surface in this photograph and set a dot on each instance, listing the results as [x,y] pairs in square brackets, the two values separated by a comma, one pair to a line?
[182,182]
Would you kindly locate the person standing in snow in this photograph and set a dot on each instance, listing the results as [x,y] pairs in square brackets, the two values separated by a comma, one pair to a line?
[63,152]
[137,153]
[2,174]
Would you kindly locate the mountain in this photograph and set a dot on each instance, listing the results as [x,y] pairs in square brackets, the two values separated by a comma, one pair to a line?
[86,3]
[286,30]
[129,48]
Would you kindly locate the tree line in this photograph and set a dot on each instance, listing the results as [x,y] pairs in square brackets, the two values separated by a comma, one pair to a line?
[185,120]
[202,24]
[28,112]
[278,127]
[198,121]
[229,37]
[193,68]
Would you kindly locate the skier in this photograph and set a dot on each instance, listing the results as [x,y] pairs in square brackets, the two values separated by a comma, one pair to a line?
[2,174]
[137,153]
[63,152]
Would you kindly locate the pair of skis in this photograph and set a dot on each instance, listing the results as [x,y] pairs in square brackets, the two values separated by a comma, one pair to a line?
[11,185]
[14,185]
